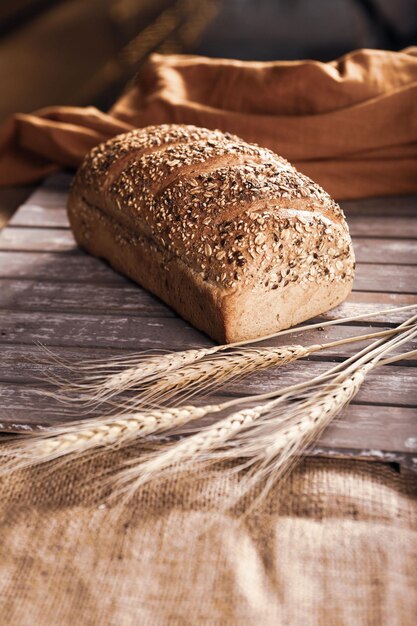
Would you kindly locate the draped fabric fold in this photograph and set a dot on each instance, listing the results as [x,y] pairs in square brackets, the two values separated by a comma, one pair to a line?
[350,124]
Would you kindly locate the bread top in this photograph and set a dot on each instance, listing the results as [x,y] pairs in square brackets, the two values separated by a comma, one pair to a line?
[235,213]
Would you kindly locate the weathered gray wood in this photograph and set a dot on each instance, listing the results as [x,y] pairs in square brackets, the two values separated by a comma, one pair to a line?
[389,385]
[385,278]
[38,240]
[26,362]
[367,250]
[138,333]
[382,226]
[86,269]
[31,295]
[92,330]
[402,251]
[57,267]
[379,428]
[33,215]
[397,206]
[129,299]
[395,299]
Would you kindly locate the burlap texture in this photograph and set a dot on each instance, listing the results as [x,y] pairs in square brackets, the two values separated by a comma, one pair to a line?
[335,545]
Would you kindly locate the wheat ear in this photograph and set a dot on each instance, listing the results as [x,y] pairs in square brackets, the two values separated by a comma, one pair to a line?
[129,372]
[78,438]
[206,375]
[267,436]
[104,379]
[208,445]
[88,434]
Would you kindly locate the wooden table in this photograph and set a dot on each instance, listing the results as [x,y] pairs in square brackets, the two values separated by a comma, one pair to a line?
[54,294]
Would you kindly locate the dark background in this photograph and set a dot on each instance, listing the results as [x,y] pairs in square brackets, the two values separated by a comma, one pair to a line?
[79,52]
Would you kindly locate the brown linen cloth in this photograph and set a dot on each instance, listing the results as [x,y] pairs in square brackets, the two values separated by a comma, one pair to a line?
[350,124]
[335,545]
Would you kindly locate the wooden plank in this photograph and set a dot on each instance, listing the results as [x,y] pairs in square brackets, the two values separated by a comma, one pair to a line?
[367,250]
[138,332]
[386,278]
[34,215]
[366,431]
[129,299]
[359,225]
[396,206]
[77,297]
[26,363]
[395,299]
[373,425]
[84,268]
[402,251]
[389,385]
[91,330]
[378,427]
[382,226]
[57,267]
[38,240]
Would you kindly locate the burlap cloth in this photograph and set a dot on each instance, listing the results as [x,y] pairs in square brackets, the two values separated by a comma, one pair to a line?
[334,545]
[350,124]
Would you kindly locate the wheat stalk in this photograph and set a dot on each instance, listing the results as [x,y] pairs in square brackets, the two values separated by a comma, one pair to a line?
[269,435]
[79,437]
[208,445]
[205,375]
[145,370]
[106,379]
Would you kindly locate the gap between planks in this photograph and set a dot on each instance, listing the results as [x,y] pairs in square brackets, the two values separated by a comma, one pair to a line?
[82,268]
[173,333]
[384,387]
[367,249]
[130,299]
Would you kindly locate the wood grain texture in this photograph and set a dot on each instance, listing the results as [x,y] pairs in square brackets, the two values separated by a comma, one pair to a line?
[372,424]
[10,199]
[70,267]
[132,332]
[19,294]
[375,217]
[36,239]
[54,294]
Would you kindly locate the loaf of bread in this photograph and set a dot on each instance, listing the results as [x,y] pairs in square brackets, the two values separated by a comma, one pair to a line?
[227,233]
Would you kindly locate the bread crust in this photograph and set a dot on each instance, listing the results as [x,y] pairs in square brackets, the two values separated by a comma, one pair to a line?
[230,235]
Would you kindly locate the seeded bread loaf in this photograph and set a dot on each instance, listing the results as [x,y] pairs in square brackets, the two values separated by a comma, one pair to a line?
[228,234]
